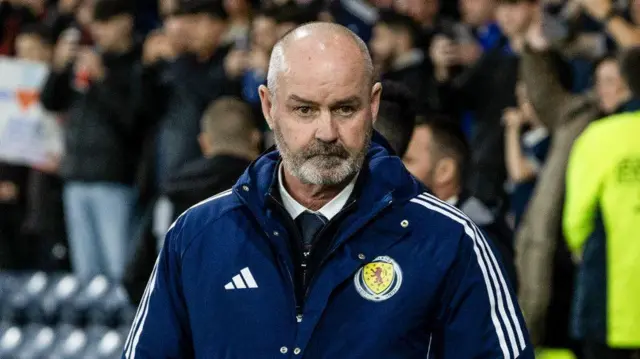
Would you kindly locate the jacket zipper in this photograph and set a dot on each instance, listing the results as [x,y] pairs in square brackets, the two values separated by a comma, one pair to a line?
[293,283]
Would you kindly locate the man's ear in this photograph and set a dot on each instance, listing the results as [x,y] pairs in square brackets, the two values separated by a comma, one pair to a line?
[376,92]
[266,104]
[445,171]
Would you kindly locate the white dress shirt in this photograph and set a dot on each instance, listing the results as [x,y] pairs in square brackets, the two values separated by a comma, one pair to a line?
[329,210]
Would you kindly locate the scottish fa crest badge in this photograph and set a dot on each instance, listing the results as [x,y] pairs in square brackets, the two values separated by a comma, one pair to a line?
[378,280]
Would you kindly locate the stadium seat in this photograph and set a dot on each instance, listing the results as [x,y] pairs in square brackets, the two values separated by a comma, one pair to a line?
[76,310]
[70,343]
[37,342]
[103,343]
[60,294]
[10,341]
[112,309]
[21,305]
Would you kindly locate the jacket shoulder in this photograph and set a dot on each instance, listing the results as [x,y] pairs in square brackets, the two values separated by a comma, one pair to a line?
[199,217]
[440,220]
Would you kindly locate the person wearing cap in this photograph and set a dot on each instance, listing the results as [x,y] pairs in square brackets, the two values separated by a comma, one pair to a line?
[94,87]
[178,84]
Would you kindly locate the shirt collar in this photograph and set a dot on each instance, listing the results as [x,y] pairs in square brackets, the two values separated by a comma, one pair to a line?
[329,210]
[453,200]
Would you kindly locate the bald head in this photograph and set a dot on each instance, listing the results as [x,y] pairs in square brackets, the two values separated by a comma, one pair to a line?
[315,44]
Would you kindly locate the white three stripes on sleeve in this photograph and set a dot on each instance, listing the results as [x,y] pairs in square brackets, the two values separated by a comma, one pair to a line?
[491,273]
[141,315]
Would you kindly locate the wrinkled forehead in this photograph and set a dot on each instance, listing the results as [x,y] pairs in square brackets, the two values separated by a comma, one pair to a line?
[323,79]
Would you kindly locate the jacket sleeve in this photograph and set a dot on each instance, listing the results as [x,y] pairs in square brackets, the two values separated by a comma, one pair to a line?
[547,95]
[480,316]
[161,326]
[57,93]
[583,187]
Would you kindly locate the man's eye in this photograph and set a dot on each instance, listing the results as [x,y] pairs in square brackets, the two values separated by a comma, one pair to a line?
[346,110]
[304,111]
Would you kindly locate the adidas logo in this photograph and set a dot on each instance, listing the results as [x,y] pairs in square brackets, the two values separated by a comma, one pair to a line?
[242,281]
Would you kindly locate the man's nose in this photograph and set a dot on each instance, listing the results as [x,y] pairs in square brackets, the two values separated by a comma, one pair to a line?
[326,131]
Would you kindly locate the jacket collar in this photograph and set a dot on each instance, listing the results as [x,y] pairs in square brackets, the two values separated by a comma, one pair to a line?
[382,178]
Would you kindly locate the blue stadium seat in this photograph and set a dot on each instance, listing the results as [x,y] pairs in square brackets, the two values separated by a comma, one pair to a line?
[76,310]
[60,294]
[103,343]
[9,283]
[38,340]
[21,305]
[70,343]
[112,309]
[10,341]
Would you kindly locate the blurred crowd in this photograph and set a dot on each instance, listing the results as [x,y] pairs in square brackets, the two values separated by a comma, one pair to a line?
[495,105]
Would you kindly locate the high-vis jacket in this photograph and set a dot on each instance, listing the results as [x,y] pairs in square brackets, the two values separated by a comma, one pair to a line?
[406,276]
[602,225]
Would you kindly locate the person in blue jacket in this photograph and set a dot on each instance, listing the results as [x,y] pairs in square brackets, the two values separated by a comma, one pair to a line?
[326,247]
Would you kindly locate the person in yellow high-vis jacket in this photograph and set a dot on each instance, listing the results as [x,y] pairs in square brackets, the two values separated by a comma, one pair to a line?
[602,228]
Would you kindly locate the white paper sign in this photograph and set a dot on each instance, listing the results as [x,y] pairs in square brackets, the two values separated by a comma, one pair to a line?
[29,135]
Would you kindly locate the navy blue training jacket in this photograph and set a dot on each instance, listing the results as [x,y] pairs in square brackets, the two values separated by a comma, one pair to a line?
[407,276]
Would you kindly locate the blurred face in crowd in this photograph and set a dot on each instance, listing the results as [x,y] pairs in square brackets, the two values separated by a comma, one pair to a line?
[382,43]
[322,119]
[477,12]
[420,10]
[110,34]
[514,18]
[264,32]
[236,8]
[419,158]
[85,12]
[31,47]
[167,7]
[203,31]
[610,86]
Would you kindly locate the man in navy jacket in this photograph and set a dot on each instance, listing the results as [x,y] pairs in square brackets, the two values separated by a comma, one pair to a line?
[327,247]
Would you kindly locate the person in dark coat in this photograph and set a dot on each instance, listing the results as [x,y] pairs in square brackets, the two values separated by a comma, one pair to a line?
[398,57]
[229,141]
[94,87]
[180,83]
[438,156]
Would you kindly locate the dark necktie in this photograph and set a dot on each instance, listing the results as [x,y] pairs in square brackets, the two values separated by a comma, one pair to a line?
[309,225]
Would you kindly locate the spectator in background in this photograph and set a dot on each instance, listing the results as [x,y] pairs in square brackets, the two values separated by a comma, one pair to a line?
[544,267]
[185,69]
[229,141]
[102,146]
[486,88]
[43,230]
[32,43]
[612,91]
[263,37]
[396,116]
[398,57]
[527,142]
[13,15]
[240,15]
[360,16]
[438,156]
[601,216]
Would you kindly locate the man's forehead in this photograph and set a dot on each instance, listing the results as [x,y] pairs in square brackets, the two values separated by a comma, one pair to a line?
[321,89]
